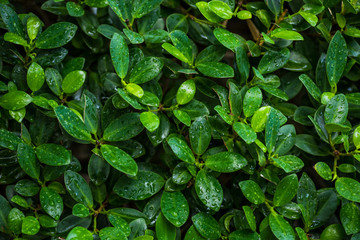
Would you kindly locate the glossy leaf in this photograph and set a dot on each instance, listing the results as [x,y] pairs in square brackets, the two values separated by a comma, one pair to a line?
[209,190]
[175,208]
[56,35]
[226,162]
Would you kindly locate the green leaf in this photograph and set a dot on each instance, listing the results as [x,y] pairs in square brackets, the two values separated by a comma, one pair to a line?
[177,21]
[183,44]
[245,132]
[15,100]
[280,227]
[336,58]
[350,216]
[146,70]
[226,162]
[135,90]
[80,210]
[33,26]
[323,170]
[308,144]
[130,99]
[27,188]
[252,191]
[144,186]
[111,233]
[226,38]
[209,190]
[181,149]
[53,79]
[311,87]
[207,13]
[286,139]
[143,7]
[186,92]
[51,202]
[182,117]
[56,35]
[16,39]
[244,15]
[309,17]
[216,70]
[271,130]
[119,55]
[206,225]
[336,110]
[307,199]
[288,163]
[27,160]
[175,208]
[30,225]
[15,219]
[259,119]
[273,60]
[274,6]
[150,121]
[252,101]
[134,37]
[72,124]
[175,52]
[74,10]
[73,81]
[9,140]
[78,188]
[286,190]
[356,137]
[4,212]
[90,115]
[250,217]
[123,128]
[79,233]
[200,135]
[286,34]
[348,188]
[221,9]
[119,159]
[53,154]
[11,20]
[164,229]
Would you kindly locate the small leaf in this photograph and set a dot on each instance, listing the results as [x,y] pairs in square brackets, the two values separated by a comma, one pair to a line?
[164,229]
[119,55]
[336,110]
[186,92]
[221,9]
[209,190]
[216,70]
[27,160]
[286,34]
[348,188]
[225,162]
[15,100]
[323,170]
[311,87]
[252,191]
[252,101]
[119,159]
[286,190]
[30,225]
[123,128]
[280,227]
[245,132]
[273,60]
[271,130]
[79,233]
[146,70]
[289,163]
[181,149]
[175,208]
[206,225]
[150,121]
[53,154]
[144,186]
[182,117]
[9,140]
[51,202]
[200,135]
[78,188]
[73,81]
[56,35]
[72,123]
[336,58]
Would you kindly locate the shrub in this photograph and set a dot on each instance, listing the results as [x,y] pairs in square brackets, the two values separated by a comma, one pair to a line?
[169,119]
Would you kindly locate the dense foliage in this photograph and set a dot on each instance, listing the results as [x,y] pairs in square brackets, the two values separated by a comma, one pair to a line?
[179,119]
